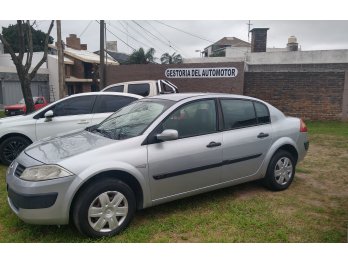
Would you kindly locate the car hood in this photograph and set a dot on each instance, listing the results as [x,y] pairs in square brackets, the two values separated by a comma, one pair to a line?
[14,107]
[53,150]
[15,119]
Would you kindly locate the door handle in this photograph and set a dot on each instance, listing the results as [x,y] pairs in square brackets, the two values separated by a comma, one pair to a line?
[262,135]
[83,122]
[213,144]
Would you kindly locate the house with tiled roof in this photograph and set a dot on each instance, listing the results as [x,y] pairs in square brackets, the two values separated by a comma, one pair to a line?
[219,48]
[81,66]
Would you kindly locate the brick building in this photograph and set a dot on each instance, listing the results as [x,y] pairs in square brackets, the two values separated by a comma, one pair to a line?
[81,66]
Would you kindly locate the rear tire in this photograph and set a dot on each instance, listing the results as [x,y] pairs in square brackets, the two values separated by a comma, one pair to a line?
[280,171]
[11,147]
[104,208]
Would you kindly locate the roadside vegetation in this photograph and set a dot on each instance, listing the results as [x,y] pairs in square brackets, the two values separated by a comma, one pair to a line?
[313,209]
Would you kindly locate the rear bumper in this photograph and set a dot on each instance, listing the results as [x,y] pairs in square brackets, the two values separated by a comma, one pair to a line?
[302,146]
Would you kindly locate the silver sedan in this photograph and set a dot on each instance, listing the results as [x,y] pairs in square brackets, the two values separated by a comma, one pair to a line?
[153,151]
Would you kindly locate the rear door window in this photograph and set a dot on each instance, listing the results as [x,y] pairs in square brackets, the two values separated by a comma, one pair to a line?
[118,88]
[74,106]
[262,113]
[238,113]
[142,89]
[111,103]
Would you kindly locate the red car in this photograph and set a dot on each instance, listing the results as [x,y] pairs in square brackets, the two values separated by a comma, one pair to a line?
[20,108]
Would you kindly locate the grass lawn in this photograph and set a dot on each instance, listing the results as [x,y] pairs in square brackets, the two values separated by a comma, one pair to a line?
[313,209]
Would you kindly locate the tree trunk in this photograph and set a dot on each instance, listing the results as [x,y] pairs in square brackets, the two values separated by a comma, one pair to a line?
[26,90]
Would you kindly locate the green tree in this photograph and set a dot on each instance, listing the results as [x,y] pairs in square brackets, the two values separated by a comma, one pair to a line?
[11,34]
[24,67]
[166,58]
[140,57]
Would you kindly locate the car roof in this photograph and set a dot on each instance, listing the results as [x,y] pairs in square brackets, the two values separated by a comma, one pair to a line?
[181,96]
[106,93]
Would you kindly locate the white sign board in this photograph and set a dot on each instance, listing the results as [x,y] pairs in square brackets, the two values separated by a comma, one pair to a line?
[219,72]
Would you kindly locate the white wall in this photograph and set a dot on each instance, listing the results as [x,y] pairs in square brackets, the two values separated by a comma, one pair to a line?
[237,51]
[6,60]
[298,57]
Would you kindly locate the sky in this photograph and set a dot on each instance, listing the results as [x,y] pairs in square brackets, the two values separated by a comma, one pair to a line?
[160,34]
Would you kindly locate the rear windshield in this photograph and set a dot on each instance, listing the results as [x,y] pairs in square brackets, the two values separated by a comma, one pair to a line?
[142,89]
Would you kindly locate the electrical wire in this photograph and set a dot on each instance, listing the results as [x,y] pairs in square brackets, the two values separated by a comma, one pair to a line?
[113,26]
[84,30]
[154,36]
[117,37]
[139,33]
[169,41]
[193,35]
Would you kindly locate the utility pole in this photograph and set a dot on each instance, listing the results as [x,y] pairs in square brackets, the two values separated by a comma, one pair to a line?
[106,57]
[102,59]
[61,69]
[249,24]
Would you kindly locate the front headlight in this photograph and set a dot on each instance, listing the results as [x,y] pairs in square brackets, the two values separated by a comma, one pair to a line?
[44,172]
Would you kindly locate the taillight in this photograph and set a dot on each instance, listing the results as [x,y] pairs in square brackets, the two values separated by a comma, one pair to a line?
[303,127]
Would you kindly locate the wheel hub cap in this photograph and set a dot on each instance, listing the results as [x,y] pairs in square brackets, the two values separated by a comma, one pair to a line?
[108,211]
[283,171]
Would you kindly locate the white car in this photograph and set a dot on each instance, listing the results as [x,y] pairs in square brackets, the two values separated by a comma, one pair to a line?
[71,113]
[144,88]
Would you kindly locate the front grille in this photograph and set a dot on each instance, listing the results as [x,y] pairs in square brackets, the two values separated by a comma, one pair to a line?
[13,112]
[19,170]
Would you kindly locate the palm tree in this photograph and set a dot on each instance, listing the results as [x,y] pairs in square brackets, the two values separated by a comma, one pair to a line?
[140,57]
[166,58]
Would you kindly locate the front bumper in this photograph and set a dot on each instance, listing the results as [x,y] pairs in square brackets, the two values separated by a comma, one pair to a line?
[42,202]
[13,112]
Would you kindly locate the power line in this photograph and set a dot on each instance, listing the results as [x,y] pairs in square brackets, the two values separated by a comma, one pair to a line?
[145,38]
[197,36]
[155,36]
[117,37]
[113,26]
[84,30]
[170,42]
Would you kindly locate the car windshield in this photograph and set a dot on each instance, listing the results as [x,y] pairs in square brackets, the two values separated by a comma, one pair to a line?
[132,120]
[23,102]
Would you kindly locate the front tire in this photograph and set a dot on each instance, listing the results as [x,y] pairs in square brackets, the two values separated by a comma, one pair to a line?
[11,147]
[104,208]
[280,171]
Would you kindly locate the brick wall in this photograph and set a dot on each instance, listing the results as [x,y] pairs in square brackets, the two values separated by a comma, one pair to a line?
[258,39]
[77,69]
[310,95]
[137,72]
[307,91]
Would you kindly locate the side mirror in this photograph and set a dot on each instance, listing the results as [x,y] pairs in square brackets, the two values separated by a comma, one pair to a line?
[168,135]
[48,115]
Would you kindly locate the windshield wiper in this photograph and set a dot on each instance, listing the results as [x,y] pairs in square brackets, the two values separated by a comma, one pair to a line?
[102,132]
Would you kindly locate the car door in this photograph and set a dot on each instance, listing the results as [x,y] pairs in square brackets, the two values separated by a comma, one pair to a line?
[69,114]
[193,160]
[107,104]
[246,137]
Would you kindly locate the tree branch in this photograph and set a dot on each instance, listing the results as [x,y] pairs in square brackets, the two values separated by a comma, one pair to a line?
[30,49]
[43,59]
[10,49]
[21,40]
